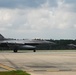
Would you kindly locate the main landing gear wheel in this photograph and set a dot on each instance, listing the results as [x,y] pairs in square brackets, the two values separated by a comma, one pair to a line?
[15,50]
[34,50]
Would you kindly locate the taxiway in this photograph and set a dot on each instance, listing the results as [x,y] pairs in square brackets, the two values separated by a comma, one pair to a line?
[40,63]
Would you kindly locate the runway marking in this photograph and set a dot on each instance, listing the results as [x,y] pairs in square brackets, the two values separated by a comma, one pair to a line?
[51,70]
[13,64]
[6,67]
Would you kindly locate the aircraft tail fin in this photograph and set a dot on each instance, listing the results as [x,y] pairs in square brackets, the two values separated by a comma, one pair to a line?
[1,37]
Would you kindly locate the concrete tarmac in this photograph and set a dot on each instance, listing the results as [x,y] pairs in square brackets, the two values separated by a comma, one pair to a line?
[40,63]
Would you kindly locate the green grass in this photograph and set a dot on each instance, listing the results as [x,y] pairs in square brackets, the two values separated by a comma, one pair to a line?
[19,72]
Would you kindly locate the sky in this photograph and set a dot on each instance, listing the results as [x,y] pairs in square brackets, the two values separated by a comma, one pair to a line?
[45,19]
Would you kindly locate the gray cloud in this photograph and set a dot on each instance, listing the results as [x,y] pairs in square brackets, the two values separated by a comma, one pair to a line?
[52,3]
[20,3]
[25,3]
[72,3]
[12,4]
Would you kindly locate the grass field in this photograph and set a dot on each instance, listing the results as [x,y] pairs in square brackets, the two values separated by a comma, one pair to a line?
[14,73]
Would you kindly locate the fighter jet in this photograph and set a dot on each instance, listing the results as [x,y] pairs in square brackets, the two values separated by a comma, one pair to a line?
[17,44]
[72,45]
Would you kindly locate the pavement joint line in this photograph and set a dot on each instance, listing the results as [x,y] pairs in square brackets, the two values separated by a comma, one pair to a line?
[6,67]
[53,70]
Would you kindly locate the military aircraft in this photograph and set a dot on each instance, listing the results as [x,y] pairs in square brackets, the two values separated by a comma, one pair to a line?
[16,44]
[72,45]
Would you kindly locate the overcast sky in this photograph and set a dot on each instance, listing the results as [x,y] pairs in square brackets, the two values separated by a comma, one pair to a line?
[47,19]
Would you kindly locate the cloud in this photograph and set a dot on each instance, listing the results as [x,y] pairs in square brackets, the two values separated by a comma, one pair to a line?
[46,17]
[20,3]
[48,20]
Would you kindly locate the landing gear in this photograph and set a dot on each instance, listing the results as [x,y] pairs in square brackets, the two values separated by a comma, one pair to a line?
[34,50]
[15,50]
